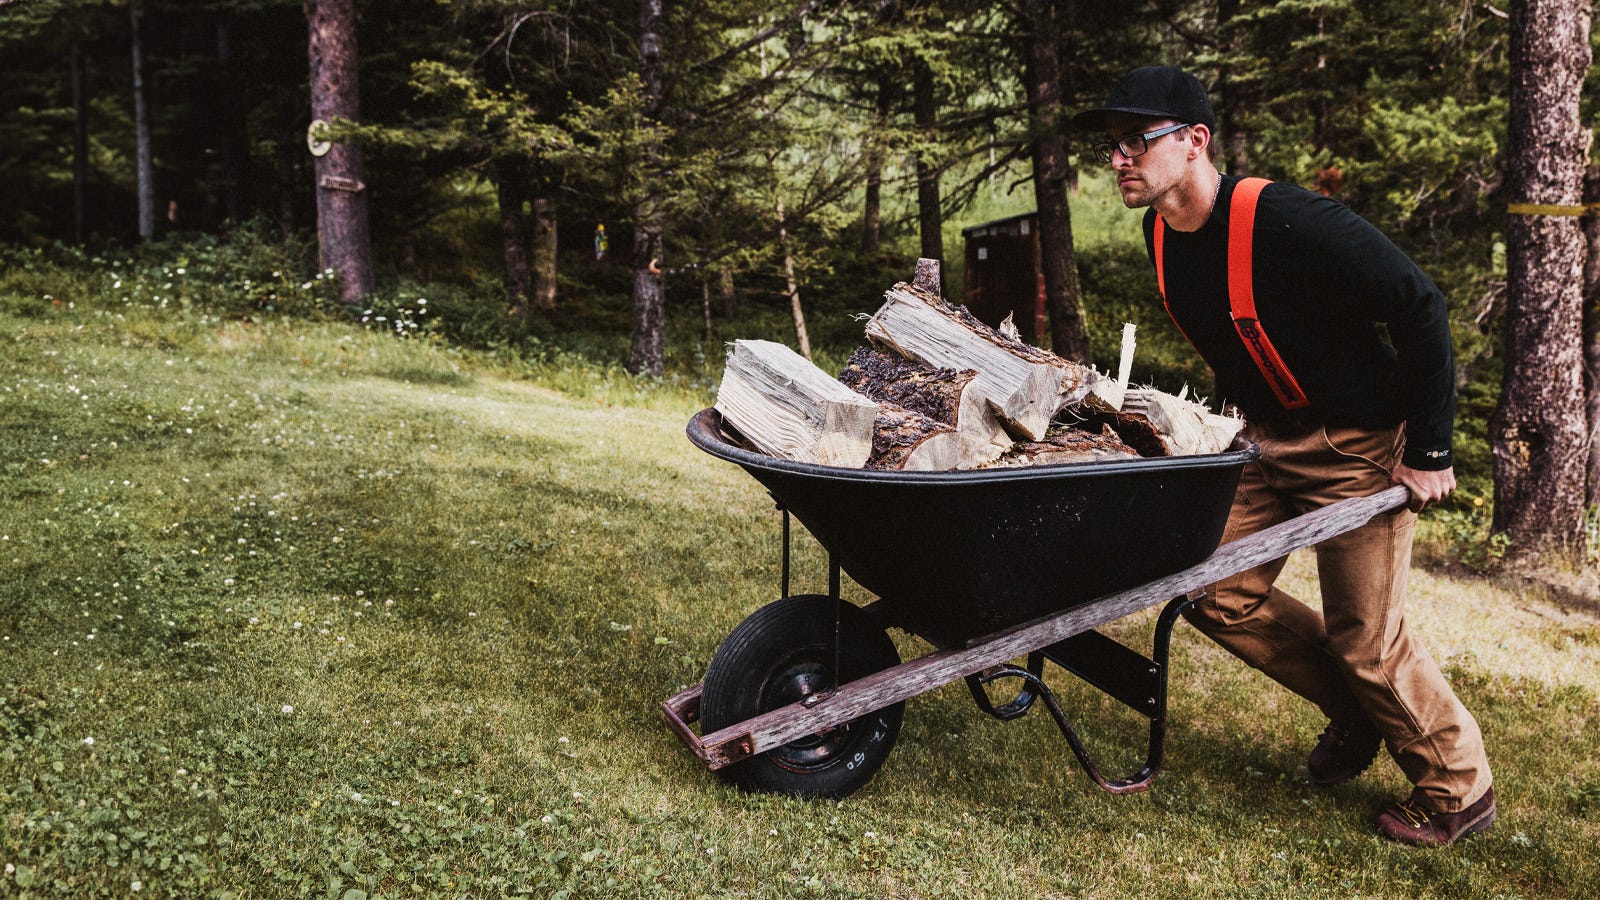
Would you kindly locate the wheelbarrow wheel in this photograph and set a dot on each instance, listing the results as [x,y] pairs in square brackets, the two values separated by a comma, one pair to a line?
[782,653]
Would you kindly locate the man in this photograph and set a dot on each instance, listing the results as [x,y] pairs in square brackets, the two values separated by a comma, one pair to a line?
[1337,412]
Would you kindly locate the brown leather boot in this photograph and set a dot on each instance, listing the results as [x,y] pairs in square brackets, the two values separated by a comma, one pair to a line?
[1409,822]
[1344,751]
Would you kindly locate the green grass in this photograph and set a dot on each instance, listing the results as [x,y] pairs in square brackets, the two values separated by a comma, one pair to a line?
[346,612]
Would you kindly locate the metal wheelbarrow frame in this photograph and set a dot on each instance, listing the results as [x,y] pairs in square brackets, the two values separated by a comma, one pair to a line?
[810,735]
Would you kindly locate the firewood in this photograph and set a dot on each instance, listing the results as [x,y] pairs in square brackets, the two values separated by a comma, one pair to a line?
[1025,385]
[789,408]
[943,395]
[1065,444]
[1112,392]
[912,442]
[1187,428]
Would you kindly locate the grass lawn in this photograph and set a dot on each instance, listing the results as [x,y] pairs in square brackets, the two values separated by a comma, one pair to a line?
[299,609]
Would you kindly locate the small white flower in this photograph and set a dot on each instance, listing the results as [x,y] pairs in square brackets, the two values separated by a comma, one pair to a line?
[288,710]
[394,802]
[544,819]
[136,886]
[356,796]
[562,739]
[88,742]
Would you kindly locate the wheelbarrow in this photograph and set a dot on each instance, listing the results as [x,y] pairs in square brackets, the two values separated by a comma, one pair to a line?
[805,697]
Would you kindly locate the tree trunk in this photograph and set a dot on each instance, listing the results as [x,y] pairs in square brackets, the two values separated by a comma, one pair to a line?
[796,311]
[1591,329]
[872,213]
[1539,432]
[730,296]
[1231,107]
[647,353]
[930,217]
[80,149]
[1068,335]
[342,229]
[513,237]
[144,174]
[235,149]
[544,254]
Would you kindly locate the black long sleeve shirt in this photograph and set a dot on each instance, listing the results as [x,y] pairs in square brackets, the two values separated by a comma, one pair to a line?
[1324,280]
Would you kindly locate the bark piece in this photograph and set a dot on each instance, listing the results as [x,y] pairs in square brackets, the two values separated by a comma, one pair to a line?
[1066,444]
[1187,428]
[912,442]
[943,395]
[788,408]
[1025,385]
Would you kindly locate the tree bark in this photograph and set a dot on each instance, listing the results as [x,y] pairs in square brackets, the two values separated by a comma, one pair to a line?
[1231,107]
[1069,336]
[513,237]
[725,287]
[872,212]
[647,353]
[796,311]
[544,254]
[1539,432]
[1591,330]
[930,218]
[342,230]
[144,174]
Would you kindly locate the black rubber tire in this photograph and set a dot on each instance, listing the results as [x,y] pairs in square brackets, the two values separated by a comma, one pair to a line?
[775,656]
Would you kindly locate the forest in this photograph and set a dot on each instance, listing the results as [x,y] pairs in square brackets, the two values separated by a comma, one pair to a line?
[639,181]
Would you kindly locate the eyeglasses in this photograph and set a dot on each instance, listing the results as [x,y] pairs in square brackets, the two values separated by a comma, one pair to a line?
[1133,145]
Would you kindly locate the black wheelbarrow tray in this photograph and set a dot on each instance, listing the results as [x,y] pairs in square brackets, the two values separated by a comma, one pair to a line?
[805,696]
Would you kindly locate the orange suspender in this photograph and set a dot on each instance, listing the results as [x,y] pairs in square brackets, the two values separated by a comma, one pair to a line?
[1241,292]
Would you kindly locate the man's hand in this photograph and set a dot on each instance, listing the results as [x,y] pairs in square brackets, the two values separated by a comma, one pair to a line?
[1425,487]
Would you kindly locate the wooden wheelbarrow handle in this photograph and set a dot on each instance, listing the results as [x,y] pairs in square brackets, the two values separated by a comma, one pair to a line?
[926,673]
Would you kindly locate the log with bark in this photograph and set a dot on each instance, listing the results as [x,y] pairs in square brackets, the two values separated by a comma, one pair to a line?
[1025,385]
[941,395]
[1065,444]
[910,441]
[787,407]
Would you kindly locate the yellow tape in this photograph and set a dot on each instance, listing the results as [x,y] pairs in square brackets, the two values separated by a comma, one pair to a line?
[1551,209]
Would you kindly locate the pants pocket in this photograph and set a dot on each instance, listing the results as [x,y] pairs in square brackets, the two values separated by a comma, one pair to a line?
[1376,447]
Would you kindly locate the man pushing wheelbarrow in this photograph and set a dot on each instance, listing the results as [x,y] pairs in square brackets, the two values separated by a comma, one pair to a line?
[1281,290]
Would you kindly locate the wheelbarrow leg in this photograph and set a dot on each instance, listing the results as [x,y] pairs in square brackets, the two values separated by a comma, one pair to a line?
[1127,676]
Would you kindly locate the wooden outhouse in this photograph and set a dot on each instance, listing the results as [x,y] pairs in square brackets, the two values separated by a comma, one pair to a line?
[1003,275]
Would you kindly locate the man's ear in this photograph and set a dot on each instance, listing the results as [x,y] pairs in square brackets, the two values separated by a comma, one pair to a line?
[1199,140]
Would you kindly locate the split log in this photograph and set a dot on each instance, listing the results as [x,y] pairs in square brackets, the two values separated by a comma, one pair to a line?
[1025,385]
[943,395]
[1064,444]
[1187,428]
[910,441]
[1113,392]
[789,408]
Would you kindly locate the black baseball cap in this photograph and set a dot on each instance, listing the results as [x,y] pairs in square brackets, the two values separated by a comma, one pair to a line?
[1165,92]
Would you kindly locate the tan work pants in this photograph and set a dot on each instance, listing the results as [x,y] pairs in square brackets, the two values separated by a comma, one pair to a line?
[1356,657]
